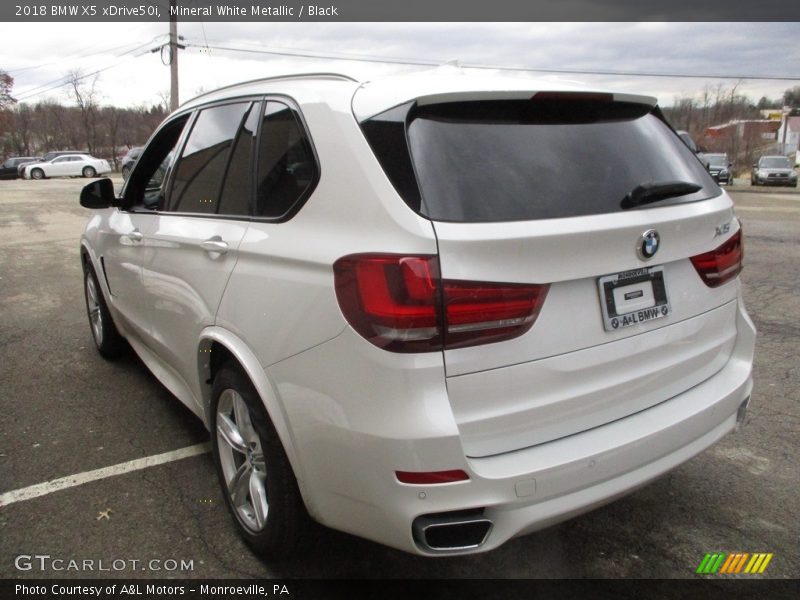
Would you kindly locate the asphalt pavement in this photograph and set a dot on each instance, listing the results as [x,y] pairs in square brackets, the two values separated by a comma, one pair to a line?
[67,412]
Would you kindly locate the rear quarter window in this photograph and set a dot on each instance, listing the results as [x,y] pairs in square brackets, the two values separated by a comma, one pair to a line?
[287,169]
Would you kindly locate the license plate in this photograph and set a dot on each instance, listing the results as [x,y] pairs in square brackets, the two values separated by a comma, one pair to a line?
[633,297]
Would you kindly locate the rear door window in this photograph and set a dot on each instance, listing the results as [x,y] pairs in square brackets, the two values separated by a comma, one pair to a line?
[237,189]
[200,170]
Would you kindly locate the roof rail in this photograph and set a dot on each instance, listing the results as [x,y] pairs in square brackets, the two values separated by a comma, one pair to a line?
[274,78]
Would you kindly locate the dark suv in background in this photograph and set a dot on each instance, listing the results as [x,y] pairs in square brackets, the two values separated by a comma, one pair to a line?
[720,167]
[9,169]
[129,160]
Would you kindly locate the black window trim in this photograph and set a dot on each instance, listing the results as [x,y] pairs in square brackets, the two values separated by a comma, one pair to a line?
[258,106]
[190,116]
[303,198]
[183,142]
[256,99]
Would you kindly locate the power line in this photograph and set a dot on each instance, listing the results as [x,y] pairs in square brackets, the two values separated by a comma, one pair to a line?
[638,73]
[55,84]
[66,58]
[324,55]
[297,53]
[66,80]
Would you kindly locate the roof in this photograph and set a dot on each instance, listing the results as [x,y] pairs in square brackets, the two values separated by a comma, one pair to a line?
[266,85]
[430,86]
[449,82]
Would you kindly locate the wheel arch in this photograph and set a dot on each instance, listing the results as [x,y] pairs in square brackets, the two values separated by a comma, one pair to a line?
[89,259]
[216,347]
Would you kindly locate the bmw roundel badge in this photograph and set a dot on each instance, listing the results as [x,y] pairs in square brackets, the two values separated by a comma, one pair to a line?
[648,244]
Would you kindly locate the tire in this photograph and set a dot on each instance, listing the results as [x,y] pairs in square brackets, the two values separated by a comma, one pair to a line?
[89,172]
[247,447]
[126,171]
[37,174]
[110,344]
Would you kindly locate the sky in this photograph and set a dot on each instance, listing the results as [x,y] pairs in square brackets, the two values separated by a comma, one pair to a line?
[38,55]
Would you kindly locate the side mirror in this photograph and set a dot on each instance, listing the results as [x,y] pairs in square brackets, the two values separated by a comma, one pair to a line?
[98,194]
[755,166]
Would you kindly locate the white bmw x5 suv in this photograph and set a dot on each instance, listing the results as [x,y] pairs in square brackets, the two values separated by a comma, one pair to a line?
[435,311]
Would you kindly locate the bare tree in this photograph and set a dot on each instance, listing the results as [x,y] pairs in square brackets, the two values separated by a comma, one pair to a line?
[22,131]
[6,101]
[720,105]
[163,95]
[83,89]
[6,83]
[706,116]
[791,97]
[33,129]
[113,121]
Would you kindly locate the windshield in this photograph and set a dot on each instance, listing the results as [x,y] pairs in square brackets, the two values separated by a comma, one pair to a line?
[774,162]
[717,160]
[510,160]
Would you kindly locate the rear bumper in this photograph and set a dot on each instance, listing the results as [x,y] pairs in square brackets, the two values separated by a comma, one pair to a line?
[348,463]
[575,474]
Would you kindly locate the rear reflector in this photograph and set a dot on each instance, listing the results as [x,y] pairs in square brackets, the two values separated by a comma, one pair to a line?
[432,477]
[401,304]
[721,264]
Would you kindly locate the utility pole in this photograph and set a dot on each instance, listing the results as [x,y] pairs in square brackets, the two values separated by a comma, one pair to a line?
[786,111]
[169,55]
[173,57]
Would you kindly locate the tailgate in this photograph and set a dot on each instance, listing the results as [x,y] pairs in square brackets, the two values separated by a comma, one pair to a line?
[571,255]
[593,203]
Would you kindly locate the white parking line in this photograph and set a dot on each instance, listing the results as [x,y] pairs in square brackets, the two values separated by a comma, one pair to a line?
[62,483]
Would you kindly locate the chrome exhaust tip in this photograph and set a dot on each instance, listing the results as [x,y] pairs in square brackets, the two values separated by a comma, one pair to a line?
[742,412]
[452,531]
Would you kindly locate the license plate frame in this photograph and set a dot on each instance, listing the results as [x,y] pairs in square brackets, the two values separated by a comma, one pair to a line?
[644,283]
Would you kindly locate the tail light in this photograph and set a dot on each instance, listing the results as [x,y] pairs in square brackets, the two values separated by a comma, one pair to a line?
[721,264]
[401,304]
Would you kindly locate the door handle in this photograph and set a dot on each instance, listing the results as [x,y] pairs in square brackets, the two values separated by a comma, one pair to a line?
[136,236]
[215,244]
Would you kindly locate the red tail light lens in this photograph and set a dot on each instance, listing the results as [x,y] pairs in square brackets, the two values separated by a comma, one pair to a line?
[489,312]
[721,264]
[391,300]
[401,304]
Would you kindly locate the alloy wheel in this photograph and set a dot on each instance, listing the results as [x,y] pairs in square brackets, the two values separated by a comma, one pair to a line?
[242,461]
[95,314]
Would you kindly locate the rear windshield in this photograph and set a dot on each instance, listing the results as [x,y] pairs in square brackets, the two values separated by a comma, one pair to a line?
[511,160]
